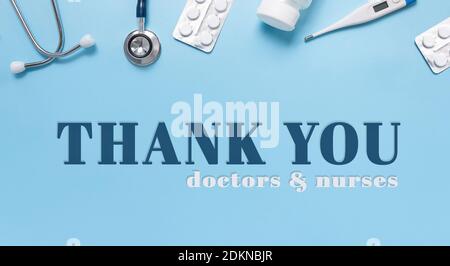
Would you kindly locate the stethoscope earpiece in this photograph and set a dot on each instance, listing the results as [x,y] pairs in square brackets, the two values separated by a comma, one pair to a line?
[142,47]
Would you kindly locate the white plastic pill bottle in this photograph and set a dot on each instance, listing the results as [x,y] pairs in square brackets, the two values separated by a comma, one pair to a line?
[282,14]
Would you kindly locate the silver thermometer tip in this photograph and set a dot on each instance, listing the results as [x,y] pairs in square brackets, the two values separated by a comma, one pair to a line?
[309,38]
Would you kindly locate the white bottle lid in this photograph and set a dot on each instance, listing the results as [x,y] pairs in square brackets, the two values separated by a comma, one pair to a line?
[278,14]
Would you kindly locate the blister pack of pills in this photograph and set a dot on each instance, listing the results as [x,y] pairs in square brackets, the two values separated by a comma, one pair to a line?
[434,44]
[201,22]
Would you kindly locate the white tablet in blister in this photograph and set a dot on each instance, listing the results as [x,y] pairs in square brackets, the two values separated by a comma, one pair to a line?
[434,44]
[201,22]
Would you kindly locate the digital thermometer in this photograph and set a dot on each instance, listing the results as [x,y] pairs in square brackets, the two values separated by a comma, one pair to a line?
[368,12]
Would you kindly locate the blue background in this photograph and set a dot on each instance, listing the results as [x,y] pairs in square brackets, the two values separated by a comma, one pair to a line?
[365,74]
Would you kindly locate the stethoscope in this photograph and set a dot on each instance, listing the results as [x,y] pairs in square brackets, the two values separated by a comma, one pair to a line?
[19,66]
[142,47]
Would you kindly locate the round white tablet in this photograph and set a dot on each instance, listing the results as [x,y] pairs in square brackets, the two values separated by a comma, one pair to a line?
[221,5]
[444,32]
[193,13]
[429,41]
[197,41]
[430,58]
[206,38]
[213,21]
[440,60]
[200,1]
[185,29]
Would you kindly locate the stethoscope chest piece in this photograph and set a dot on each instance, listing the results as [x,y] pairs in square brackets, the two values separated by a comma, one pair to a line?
[142,47]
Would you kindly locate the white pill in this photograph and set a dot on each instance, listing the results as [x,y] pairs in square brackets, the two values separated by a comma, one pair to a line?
[213,21]
[197,41]
[440,60]
[444,32]
[430,58]
[221,5]
[200,1]
[206,38]
[185,29]
[193,13]
[429,41]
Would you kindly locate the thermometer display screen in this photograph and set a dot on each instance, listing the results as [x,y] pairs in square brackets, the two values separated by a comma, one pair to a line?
[381,6]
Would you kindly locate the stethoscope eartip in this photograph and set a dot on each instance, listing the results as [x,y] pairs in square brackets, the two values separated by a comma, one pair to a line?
[87,41]
[17,67]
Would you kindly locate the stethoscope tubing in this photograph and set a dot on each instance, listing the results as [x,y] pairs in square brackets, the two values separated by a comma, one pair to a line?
[141,9]
[141,14]
[39,48]
[61,37]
